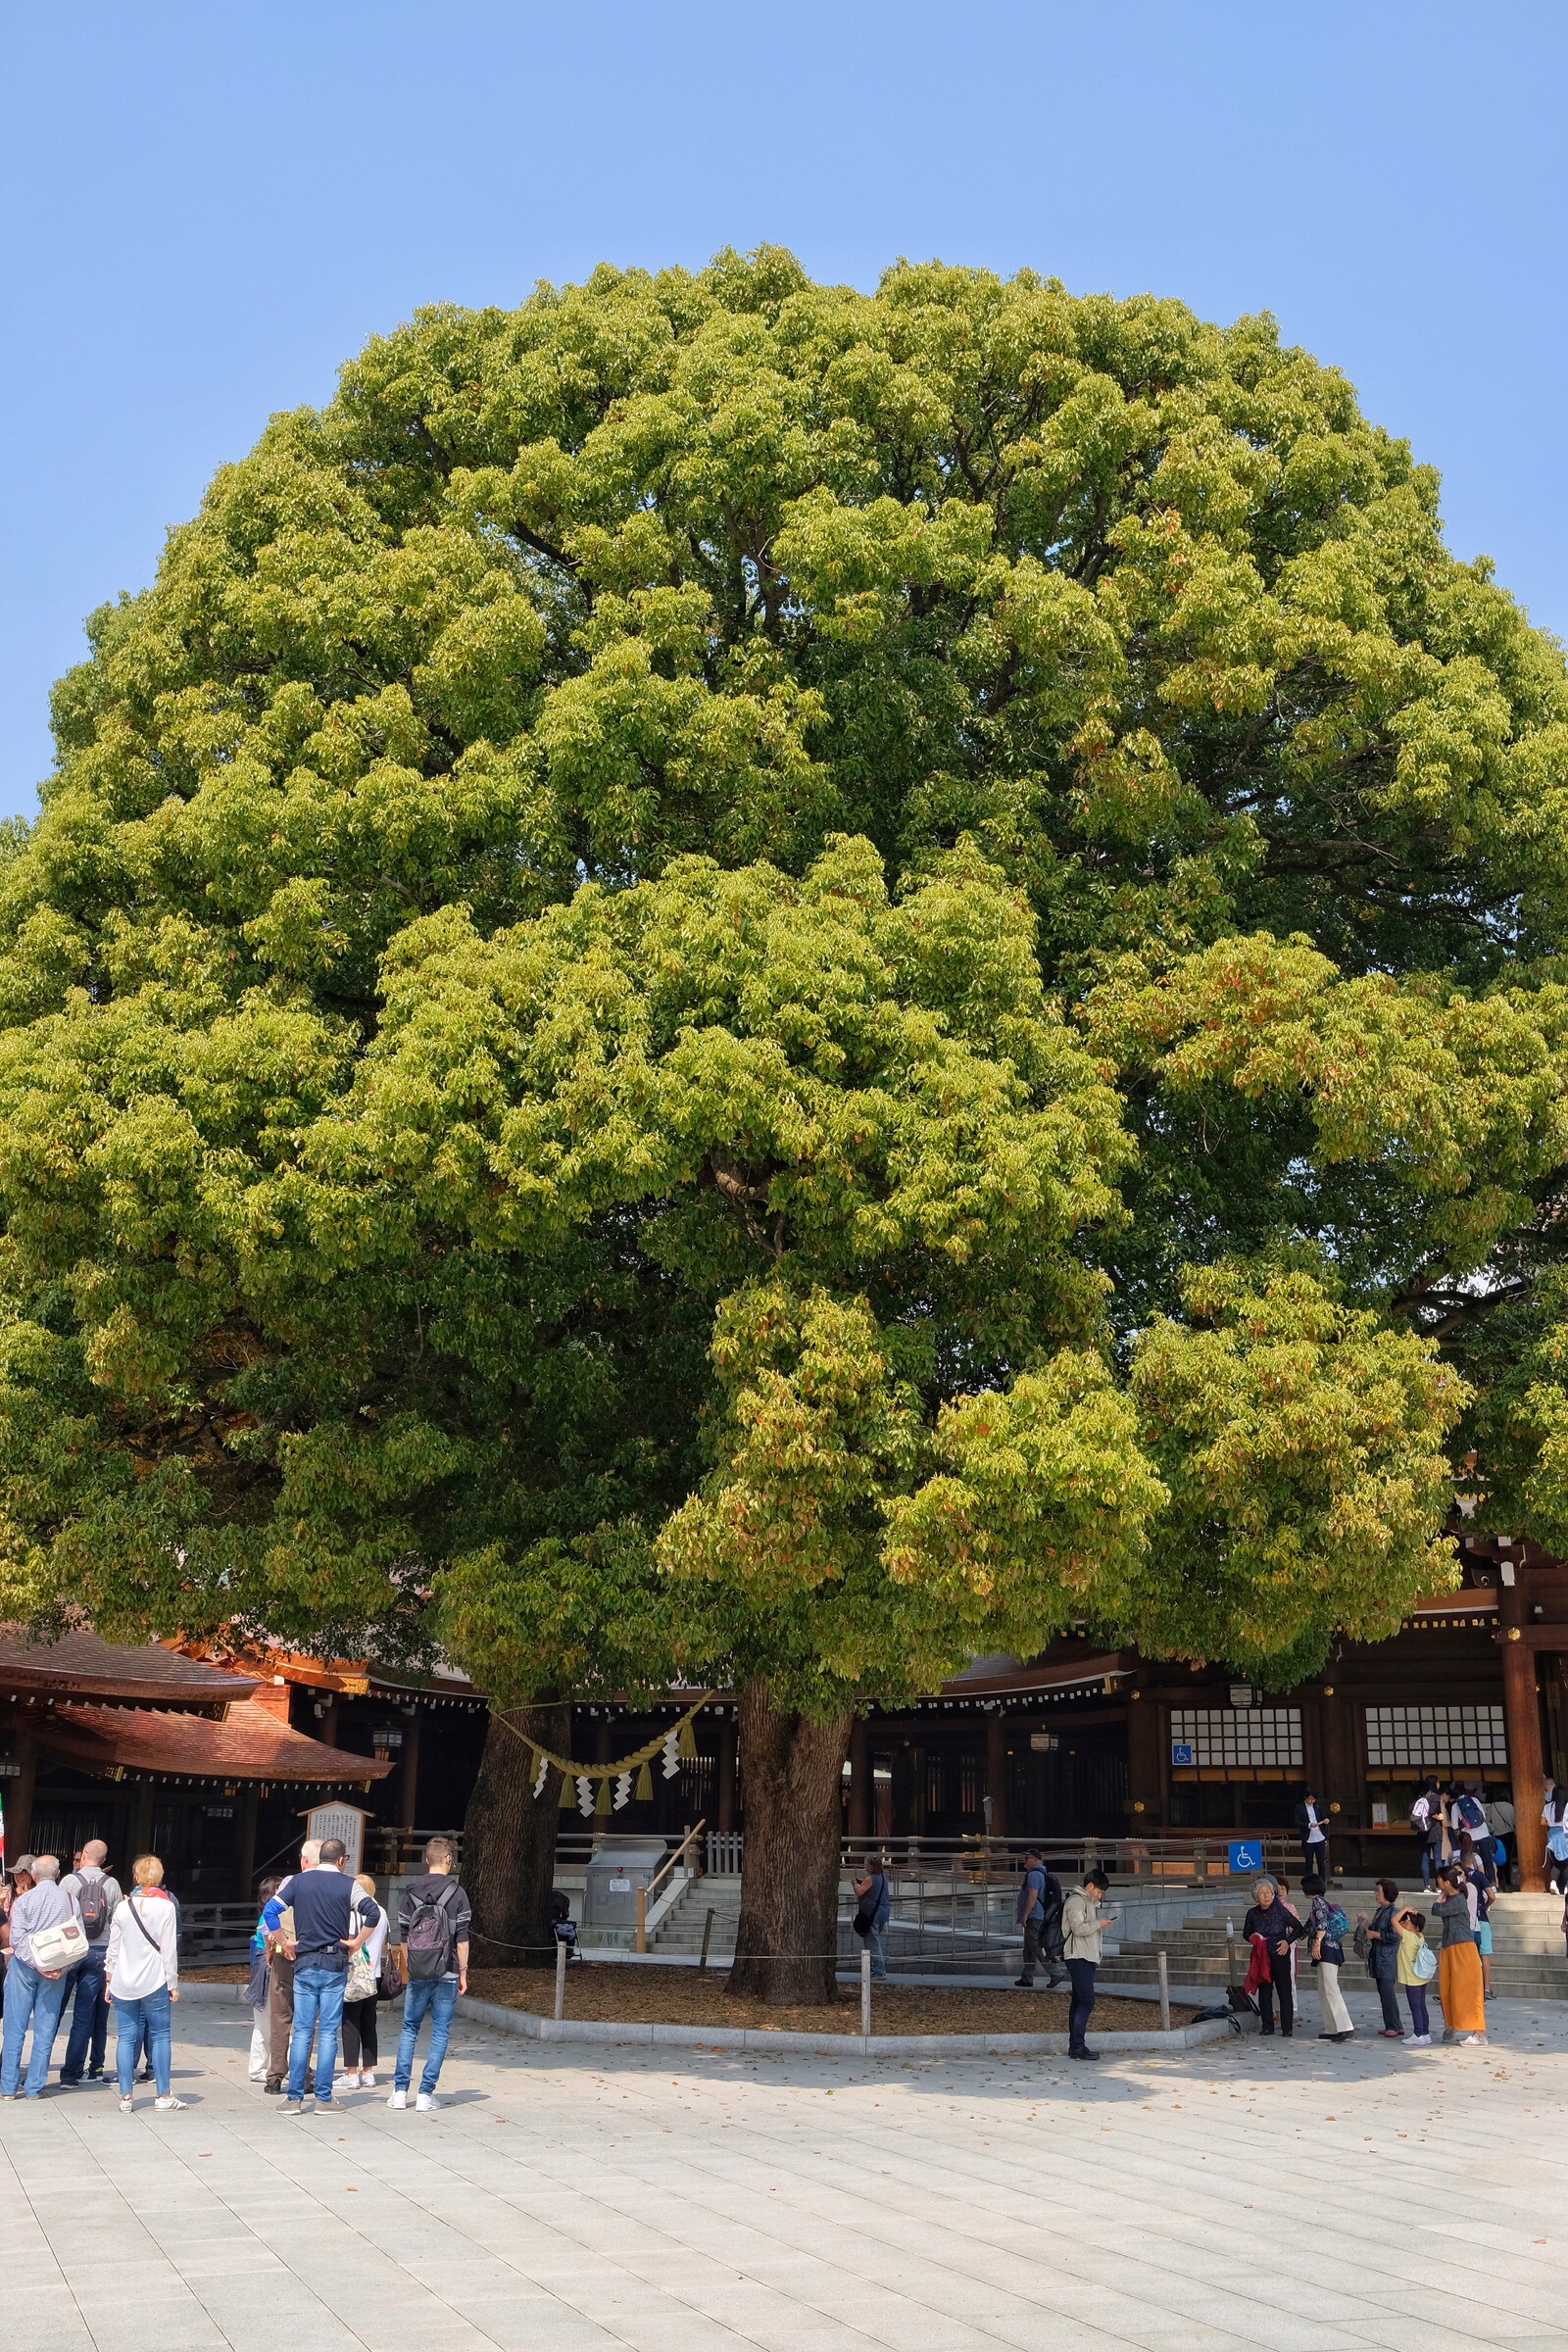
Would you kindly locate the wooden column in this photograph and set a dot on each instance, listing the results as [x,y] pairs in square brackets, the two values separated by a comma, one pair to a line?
[860,1781]
[18,1797]
[141,1821]
[726,1775]
[409,1778]
[325,1728]
[1144,1762]
[1521,1714]
[1337,1787]
[997,1771]
[245,1866]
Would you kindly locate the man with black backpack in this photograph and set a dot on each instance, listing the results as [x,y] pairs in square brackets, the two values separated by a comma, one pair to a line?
[434,1918]
[97,1898]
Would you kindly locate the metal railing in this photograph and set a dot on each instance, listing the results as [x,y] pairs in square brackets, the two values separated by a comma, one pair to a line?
[216,1932]
[689,1841]
[1193,1859]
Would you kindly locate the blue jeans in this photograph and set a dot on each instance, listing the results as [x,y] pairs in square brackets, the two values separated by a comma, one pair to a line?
[438,1995]
[89,2015]
[30,1994]
[1081,2006]
[148,2014]
[317,2009]
[1416,1996]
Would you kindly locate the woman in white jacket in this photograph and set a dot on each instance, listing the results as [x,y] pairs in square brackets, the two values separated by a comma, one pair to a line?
[141,1971]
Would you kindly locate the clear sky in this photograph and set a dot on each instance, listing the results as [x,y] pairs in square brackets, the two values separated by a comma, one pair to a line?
[206,208]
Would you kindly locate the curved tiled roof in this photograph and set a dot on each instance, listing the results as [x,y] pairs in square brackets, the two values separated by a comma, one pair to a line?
[251,1744]
[79,1666]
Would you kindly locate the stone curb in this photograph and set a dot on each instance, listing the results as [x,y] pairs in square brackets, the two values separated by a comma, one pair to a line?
[531,2028]
[750,2039]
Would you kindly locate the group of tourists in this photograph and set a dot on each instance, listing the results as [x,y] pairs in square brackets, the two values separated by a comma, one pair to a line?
[1392,1944]
[320,1967]
[79,1944]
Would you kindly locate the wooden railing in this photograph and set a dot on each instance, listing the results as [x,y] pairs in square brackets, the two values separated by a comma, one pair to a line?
[663,1871]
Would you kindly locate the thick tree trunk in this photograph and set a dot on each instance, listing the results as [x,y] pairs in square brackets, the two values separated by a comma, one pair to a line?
[792,1771]
[509,1840]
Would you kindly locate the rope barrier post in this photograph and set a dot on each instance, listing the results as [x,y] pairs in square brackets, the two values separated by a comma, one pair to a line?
[707,1930]
[561,1982]
[1164,1991]
[865,1992]
[642,1919]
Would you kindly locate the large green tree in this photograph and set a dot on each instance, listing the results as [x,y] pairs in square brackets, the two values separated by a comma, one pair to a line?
[736,978]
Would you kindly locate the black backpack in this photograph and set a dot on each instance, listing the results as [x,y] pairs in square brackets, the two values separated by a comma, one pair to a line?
[92,1901]
[428,1938]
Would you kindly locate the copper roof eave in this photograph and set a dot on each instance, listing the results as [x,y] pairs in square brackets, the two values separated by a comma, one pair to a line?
[79,1667]
[1025,1680]
[169,1748]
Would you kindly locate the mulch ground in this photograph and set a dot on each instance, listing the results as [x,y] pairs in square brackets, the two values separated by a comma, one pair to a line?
[684,1996]
[619,1994]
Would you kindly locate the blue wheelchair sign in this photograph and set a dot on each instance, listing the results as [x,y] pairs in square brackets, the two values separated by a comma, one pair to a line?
[1245,1856]
[1181,1751]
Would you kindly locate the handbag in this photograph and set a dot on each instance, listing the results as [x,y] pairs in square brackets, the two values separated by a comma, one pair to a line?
[258,1991]
[55,1949]
[362,1979]
[389,1984]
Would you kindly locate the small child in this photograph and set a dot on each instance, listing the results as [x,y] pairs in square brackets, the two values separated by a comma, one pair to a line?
[1412,1940]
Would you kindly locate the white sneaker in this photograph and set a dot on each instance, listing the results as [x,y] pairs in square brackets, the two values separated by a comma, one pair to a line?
[399,2098]
[1471,2042]
[167,2103]
[424,2104]
[368,2079]
[1419,2041]
[125,2102]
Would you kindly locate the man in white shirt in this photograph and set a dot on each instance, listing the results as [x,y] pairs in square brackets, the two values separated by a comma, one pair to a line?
[97,1897]
[33,1995]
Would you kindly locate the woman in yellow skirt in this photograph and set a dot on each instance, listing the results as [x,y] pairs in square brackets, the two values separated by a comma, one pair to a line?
[1464,2014]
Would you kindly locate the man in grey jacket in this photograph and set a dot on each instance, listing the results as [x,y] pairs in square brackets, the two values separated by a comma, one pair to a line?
[97,1897]
[1084,1924]
[33,1995]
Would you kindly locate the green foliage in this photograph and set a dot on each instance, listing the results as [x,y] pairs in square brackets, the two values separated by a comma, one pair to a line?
[738,976]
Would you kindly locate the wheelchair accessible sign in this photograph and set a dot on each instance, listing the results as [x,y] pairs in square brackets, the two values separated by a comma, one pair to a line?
[1245,1856]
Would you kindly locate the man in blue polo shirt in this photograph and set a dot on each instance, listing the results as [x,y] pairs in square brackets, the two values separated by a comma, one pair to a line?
[331,1920]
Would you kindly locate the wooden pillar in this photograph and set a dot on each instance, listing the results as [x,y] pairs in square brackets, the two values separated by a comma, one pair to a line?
[249,1799]
[997,1771]
[325,1728]
[1338,1794]
[1143,1762]
[726,1775]
[860,1781]
[409,1778]
[19,1798]
[1521,1714]
[141,1821]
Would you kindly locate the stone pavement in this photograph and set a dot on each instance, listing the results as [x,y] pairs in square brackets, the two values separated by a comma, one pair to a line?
[1292,2196]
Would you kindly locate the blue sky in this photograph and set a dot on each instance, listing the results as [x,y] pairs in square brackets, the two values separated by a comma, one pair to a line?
[207,208]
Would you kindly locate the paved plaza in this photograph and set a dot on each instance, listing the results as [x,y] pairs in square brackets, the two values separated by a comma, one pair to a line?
[1293,2196]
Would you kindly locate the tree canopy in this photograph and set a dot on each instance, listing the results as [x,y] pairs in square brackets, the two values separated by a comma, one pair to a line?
[737,975]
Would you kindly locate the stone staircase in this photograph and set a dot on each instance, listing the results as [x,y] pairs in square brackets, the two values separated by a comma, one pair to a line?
[1527,1960]
[681,1929]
